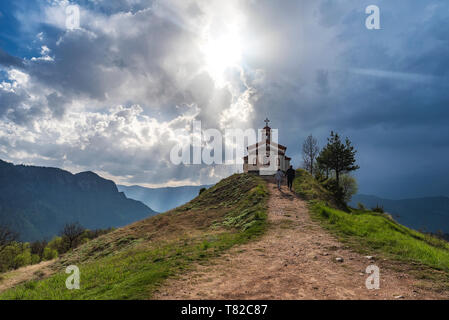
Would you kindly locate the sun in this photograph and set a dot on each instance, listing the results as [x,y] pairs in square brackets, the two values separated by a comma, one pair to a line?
[221,53]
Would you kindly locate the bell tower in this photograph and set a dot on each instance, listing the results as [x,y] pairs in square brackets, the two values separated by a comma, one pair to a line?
[266,132]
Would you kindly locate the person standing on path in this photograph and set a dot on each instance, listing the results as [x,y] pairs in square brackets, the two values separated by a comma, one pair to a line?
[290,177]
[278,177]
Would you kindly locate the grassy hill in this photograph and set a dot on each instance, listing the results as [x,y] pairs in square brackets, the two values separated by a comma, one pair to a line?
[371,232]
[131,262]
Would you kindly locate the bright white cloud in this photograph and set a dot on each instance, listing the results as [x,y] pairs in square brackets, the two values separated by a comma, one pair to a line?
[109,97]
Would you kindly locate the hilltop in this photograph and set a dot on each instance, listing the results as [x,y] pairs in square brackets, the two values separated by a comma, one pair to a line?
[131,262]
[38,201]
[244,239]
[312,250]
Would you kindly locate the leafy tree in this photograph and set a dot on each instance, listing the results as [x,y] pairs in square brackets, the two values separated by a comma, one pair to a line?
[16,254]
[323,168]
[50,254]
[23,259]
[7,256]
[57,244]
[338,157]
[348,186]
[310,151]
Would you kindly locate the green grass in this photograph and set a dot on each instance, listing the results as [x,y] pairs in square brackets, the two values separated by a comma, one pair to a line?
[310,189]
[127,265]
[370,232]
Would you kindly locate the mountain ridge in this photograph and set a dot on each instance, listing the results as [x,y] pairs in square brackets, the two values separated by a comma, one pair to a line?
[38,201]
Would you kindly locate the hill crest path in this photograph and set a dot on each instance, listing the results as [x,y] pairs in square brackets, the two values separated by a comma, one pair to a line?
[295,259]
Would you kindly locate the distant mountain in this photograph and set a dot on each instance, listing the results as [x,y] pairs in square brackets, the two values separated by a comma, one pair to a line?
[162,199]
[37,201]
[428,214]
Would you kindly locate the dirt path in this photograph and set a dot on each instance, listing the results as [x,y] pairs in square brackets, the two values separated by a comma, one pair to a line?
[295,259]
[16,277]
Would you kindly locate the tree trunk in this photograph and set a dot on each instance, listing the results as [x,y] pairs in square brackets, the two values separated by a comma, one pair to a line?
[311,166]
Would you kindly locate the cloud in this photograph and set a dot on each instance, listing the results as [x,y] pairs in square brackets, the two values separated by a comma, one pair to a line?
[8,60]
[109,96]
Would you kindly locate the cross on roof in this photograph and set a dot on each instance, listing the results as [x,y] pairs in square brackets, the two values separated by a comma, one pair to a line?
[267,121]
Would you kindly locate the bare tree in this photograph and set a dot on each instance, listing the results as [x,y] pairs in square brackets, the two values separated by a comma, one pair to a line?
[7,236]
[310,151]
[72,233]
[38,247]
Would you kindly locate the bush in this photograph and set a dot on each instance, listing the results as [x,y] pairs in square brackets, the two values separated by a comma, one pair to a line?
[324,213]
[22,260]
[331,185]
[343,192]
[361,207]
[50,254]
[378,209]
[38,247]
[8,255]
[16,254]
[58,244]
[320,174]
[349,187]
[35,259]
[92,234]
[202,190]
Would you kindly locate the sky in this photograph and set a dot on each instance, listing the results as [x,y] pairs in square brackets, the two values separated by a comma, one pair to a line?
[112,95]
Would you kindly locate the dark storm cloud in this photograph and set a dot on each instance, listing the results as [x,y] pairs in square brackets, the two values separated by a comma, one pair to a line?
[322,70]
[9,100]
[386,89]
[57,104]
[8,60]
[397,111]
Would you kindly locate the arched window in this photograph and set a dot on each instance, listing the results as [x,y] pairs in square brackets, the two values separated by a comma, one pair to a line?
[279,162]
